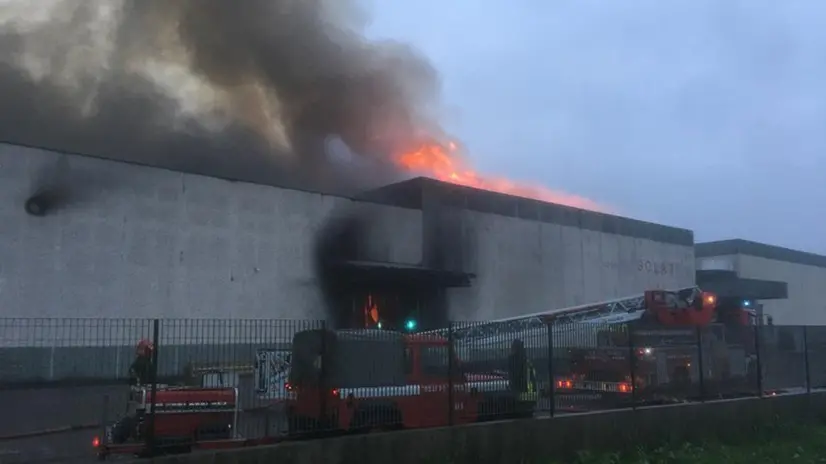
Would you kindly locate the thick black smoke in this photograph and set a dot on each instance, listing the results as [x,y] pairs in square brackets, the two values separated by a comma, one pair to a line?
[340,247]
[243,89]
[337,243]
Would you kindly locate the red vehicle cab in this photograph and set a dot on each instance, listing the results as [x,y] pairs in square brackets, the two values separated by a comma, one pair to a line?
[350,380]
[183,416]
[690,307]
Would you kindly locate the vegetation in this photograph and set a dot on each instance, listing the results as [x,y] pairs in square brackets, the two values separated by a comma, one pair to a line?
[795,444]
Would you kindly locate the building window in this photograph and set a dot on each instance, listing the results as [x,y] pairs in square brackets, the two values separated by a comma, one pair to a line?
[725,263]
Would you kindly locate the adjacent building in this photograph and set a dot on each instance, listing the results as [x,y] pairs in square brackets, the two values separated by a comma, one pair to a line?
[787,285]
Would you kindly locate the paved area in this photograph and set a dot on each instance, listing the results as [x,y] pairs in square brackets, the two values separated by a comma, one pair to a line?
[67,419]
[68,414]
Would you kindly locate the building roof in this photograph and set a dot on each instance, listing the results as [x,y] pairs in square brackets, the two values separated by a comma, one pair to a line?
[760,250]
[239,167]
[415,193]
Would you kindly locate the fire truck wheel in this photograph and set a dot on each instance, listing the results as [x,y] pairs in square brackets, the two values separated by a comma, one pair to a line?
[493,409]
[525,409]
[680,377]
[298,426]
[213,433]
[382,418]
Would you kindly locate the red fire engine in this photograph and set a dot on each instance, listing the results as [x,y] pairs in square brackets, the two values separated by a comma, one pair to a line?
[660,354]
[591,349]
[337,381]
[350,380]
[183,417]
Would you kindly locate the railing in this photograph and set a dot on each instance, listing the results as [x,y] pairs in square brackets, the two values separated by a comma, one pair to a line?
[68,375]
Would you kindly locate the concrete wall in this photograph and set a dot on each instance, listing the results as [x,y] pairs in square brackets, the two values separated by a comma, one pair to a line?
[144,242]
[806,304]
[136,241]
[527,266]
[542,440]
[805,274]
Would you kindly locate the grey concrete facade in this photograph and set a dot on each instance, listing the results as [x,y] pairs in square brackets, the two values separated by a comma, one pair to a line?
[529,256]
[804,274]
[142,242]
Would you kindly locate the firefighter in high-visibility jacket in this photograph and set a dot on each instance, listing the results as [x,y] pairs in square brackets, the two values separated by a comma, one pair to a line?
[522,378]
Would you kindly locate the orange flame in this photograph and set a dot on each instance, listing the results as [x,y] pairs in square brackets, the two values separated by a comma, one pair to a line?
[371,313]
[443,163]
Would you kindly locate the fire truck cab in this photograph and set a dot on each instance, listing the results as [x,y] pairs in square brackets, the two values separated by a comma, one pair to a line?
[357,380]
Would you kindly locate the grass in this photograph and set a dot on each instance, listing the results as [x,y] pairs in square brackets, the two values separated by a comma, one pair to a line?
[792,445]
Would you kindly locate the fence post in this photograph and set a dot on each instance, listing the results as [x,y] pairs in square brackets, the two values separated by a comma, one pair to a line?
[104,419]
[632,364]
[757,349]
[806,359]
[551,382]
[451,352]
[701,365]
[150,423]
[322,373]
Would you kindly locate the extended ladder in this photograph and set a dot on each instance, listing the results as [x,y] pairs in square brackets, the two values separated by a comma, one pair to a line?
[618,311]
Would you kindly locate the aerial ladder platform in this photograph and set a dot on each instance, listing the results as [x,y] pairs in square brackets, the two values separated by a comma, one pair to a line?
[617,311]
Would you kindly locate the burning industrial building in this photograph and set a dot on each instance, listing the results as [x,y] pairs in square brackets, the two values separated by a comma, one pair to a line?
[252,94]
[166,173]
[154,242]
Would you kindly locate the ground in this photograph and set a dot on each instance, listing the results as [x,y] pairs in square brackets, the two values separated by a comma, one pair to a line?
[793,445]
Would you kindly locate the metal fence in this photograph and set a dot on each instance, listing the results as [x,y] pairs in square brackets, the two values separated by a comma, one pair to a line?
[75,374]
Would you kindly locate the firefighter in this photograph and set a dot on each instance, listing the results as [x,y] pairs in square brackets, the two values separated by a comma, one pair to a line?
[140,372]
[522,378]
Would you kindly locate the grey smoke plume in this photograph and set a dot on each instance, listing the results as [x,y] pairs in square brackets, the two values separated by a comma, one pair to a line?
[245,89]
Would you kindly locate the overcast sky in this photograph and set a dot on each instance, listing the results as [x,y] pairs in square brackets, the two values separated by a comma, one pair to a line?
[705,114]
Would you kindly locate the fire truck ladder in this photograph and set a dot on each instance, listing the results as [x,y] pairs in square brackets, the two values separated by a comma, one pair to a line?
[618,311]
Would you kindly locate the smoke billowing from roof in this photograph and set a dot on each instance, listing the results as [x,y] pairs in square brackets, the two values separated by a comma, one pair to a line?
[245,89]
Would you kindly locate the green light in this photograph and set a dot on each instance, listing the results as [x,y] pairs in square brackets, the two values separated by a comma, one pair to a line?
[378,325]
[410,325]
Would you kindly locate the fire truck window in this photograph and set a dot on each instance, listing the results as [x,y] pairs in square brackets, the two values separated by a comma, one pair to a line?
[307,358]
[369,363]
[435,361]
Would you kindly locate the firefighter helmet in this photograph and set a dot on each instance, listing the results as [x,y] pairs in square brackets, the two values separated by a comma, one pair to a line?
[144,347]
